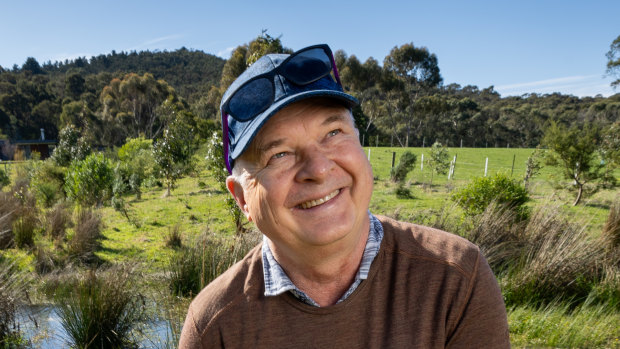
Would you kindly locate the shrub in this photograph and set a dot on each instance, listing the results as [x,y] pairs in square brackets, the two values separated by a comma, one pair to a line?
[85,239]
[405,165]
[136,155]
[89,182]
[4,179]
[71,147]
[195,266]
[101,310]
[480,192]
[48,183]
[403,192]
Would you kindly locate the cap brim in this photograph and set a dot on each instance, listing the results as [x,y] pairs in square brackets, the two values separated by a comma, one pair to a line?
[257,123]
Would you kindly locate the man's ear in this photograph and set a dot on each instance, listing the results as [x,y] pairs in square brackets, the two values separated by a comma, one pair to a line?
[236,190]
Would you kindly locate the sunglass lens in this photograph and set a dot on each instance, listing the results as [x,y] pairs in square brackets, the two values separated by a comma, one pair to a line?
[251,99]
[307,66]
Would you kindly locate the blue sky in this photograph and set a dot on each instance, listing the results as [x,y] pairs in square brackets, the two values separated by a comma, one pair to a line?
[518,47]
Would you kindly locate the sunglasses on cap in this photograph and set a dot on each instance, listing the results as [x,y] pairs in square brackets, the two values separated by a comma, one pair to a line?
[256,95]
[303,67]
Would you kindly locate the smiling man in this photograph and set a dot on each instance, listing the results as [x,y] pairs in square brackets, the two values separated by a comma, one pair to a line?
[329,274]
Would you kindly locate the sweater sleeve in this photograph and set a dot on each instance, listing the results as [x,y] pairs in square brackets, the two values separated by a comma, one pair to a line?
[190,337]
[482,322]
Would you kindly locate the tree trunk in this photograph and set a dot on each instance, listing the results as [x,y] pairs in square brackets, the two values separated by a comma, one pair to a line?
[167,193]
[579,193]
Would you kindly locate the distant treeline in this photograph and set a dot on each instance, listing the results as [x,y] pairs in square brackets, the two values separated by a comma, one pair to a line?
[404,102]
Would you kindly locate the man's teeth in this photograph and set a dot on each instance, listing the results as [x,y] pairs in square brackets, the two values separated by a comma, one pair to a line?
[312,203]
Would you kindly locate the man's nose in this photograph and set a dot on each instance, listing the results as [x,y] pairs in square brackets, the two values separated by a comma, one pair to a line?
[316,165]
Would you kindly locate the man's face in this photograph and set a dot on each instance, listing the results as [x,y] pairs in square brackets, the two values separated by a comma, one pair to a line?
[306,181]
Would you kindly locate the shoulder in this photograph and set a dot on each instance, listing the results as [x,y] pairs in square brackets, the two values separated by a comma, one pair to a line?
[235,286]
[430,244]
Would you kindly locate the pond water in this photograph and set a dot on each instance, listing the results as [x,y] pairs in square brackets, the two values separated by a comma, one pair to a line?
[41,325]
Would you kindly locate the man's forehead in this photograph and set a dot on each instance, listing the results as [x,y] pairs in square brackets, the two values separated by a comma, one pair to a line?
[275,131]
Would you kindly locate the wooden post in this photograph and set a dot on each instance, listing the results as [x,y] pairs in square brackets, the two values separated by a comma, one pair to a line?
[393,158]
[514,156]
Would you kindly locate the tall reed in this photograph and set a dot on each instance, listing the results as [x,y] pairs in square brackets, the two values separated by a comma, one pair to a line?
[195,266]
[101,310]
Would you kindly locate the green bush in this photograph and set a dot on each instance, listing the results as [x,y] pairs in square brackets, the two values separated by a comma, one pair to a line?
[405,165]
[89,182]
[71,147]
[403,192]
[4,179]
[47,183]
[138,163]
[480,192]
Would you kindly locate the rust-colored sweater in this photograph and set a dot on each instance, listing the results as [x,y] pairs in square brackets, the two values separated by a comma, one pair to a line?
[426,289]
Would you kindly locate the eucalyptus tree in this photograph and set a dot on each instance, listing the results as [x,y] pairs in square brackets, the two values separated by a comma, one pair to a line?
[132,107]
[414,71]
[613,61]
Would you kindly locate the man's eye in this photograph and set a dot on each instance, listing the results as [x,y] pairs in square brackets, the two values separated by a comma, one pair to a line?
[278,155]
[333,133]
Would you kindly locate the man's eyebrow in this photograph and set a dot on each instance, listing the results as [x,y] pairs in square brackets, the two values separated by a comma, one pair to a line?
[334,118]
[261,148]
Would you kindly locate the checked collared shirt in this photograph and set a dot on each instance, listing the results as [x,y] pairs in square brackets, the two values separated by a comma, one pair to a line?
[277,282]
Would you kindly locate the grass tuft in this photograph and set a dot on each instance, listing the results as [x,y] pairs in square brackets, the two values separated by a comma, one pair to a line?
[101,310]
[195,266]
[86,237]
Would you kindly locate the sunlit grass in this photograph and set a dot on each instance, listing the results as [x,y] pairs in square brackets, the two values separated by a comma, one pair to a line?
[556,326]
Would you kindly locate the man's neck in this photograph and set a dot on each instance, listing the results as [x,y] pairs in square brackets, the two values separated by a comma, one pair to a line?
[325,273]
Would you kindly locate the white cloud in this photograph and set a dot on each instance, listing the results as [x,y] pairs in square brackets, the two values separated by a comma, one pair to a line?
[151,42]
[225,53]
[582,85]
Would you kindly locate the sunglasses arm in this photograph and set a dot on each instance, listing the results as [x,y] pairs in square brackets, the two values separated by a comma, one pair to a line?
[225,141]
[331,57]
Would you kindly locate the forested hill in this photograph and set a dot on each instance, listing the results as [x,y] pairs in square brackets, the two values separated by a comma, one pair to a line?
[404,101]
[188,71]
[53,95]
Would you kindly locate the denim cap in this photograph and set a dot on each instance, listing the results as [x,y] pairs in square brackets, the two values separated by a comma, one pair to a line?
[241,133]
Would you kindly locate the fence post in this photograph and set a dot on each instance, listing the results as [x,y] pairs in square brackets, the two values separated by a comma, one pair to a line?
[393,158]
[422,163]
[369,154]
[513,164]
[454,166]
[486,166]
